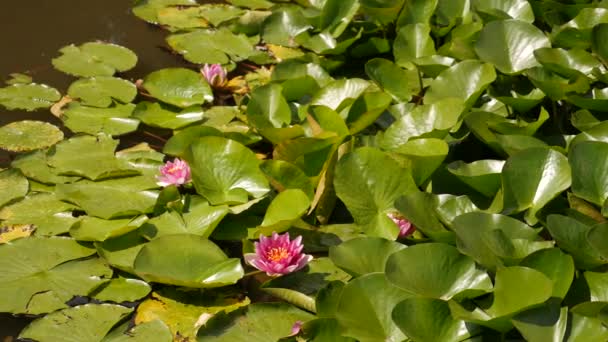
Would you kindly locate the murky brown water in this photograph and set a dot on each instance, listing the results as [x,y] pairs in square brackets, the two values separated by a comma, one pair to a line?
[31,33]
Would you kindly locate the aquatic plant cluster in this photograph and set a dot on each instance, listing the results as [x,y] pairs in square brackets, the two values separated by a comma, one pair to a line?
[325,170]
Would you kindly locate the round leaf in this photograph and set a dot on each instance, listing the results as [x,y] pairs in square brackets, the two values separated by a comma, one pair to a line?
[510,45]
[363,255]
[435,270]
[26,135]
[28,96]
[13,185]
[94,59]
[100,91]
[186,260]
[178,86]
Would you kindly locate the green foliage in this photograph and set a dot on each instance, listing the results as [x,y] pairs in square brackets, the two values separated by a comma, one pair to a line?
[481,123]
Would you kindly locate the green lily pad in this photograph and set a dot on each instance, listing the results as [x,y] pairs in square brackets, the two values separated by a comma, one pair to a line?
[283,175]
[520,39]
[34,166]
[148,10]
[401,84]
[91,157]
[495,240]
[48,274]
[510,9]
[178,86]
[547,321]
[260,322]
[571,236]
[533,177]
[424,156]
[122,290]
[94,59]
[555,86]
[481,175]
[465,80]
[45,211]
[436,270]
[107,200]
[577,32]
[427,319]
[588,179]
[179,143]
[157,115]
[153,330]
[369,182]
[100,91]
[26,135]
[364,255]
[120,252]
[28,96]
[413,41]
[181,18]
[419,208]
[115,120]
[212,46]
[186,260]
[86,323]
[425,121]
[340,92]
[556,265]
[224,171]
[13,186]
[90,228]
[364,309]
[567,62]
[282,26]
[599,35]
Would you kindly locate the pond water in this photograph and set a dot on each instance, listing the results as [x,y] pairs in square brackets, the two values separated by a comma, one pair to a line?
[31,33]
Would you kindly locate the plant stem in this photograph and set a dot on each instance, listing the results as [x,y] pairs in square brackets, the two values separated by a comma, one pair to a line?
[252,273]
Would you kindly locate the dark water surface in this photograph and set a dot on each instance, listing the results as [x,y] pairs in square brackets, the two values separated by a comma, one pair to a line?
[32,32]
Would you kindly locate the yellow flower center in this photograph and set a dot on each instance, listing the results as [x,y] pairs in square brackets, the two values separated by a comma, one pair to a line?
[174,168]
[277,254]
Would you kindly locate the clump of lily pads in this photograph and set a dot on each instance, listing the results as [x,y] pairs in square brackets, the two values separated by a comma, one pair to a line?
[339,170]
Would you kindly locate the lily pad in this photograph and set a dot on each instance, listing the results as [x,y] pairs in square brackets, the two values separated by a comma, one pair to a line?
[94,59]
[49,274]
[26,135]
[86,323]
[91,228]
[521,39]
[179,87]
[157,115]
[100,91]
[122,290]
[186,260]
[13,185]
[369,182]
[224,171]
[45,211]
[115,120]
[212,46]
[28,96]
[148,10]
[153,330]
[363,255]
[436,270]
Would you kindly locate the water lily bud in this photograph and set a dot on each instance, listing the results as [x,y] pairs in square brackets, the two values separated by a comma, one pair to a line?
[278,255]
[405,227]
[215,75]
[174,173]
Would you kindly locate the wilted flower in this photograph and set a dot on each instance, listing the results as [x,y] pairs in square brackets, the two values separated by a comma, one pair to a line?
[215,75]
[295,329]
[405,227]
[174,173]
[278,255]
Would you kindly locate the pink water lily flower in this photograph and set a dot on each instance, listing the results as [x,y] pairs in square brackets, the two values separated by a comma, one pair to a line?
[405,227]
[215,75]
[278,255]
[174,173]
[296,328]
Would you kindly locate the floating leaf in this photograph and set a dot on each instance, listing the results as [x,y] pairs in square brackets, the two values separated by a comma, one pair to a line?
[26,135]
[361,256]
[571,236]
[100,91]
[48,275]
[211,46]
[122,290]
[500,9]
[533,177]
[153,330]
[481,175]
[399,83]
[178,86]
[224,171]
[148,9]
[186,260]
[113,121]
[521,39]
[49,215]
[13,185]
[86,323]
[284,209]
[90,228]
[369,182]
[436,270]
[28,96]
[413,41]
[157,115]
[589,180]
[94,59]
[89,156]
[260,322]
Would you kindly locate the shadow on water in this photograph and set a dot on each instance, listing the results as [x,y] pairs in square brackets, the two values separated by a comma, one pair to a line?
[31,33]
